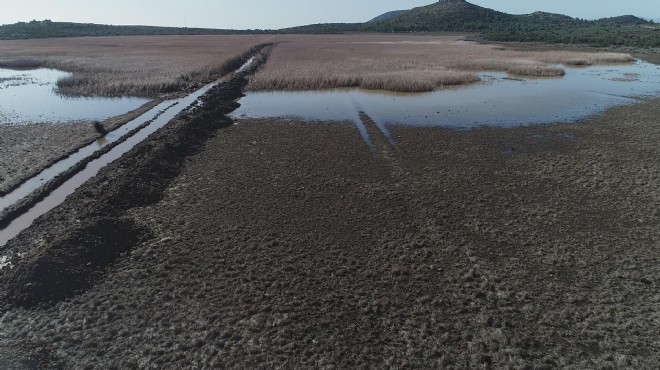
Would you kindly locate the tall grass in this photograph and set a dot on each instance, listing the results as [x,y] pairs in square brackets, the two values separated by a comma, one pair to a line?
[316,78]
[154,65]
[571,58]
[141,66]
[521,67]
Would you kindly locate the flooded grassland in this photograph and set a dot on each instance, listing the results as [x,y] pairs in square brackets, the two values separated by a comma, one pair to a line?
[46,113]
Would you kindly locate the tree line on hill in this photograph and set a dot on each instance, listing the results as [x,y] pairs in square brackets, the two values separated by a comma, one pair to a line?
[572,31]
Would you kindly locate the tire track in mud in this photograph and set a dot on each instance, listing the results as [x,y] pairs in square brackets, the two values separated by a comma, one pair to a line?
[483,280]
[381,143]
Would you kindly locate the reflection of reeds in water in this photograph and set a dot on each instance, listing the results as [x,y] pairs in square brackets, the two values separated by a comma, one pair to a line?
[317,78]
[367,61]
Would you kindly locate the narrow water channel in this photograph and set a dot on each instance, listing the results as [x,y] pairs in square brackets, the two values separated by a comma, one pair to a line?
[171,109]
[158,116]
[81,154]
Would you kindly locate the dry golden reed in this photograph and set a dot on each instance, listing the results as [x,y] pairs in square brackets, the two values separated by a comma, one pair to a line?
[154,65]
[403,63]
[137,65]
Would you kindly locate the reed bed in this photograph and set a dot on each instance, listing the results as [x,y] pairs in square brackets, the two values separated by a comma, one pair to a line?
[154,65]
[139,66]
[403,63]
[571,58]
[522,67]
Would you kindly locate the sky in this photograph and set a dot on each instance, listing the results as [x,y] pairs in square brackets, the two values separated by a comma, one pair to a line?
[273,14]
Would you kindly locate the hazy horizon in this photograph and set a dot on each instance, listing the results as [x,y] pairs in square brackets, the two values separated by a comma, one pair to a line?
[266,14]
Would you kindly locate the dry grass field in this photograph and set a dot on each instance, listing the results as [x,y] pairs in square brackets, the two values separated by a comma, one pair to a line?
[404,63]
[138,66]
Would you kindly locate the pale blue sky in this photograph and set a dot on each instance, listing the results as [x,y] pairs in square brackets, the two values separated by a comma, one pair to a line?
[242,14]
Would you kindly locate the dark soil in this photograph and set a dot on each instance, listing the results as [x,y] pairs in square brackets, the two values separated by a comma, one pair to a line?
[289,244]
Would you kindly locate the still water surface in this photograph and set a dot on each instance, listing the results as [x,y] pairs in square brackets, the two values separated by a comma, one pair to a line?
[499,100]
[31,97]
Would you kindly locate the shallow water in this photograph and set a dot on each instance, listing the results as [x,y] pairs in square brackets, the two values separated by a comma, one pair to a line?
[30,97]
[156,118]
[159,117]
[27,187]
[499,100]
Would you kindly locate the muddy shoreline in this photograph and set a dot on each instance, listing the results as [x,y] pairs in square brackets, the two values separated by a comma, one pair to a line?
[292,244]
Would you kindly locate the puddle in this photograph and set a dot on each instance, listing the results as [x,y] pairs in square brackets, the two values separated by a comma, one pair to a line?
[29,96]
[499,100]
[160,116]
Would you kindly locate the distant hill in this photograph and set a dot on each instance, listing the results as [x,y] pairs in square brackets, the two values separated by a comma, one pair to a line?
[49,29]
[549,18]
[388,15]
[462,16]
[443,15]
[624,20]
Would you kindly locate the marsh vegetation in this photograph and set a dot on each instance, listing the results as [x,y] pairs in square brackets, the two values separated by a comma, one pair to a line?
[404,63]
[145,66]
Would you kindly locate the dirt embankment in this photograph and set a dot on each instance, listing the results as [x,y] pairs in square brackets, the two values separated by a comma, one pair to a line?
[279,243]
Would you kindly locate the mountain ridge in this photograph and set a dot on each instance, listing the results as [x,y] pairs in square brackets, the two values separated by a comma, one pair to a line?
[387,15]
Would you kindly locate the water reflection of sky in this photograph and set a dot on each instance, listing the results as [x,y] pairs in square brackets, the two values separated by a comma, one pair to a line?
[496,101]
[30,97]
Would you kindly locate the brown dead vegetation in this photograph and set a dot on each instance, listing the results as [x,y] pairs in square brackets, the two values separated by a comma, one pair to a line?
[153,65]
[137,66]
[404,63]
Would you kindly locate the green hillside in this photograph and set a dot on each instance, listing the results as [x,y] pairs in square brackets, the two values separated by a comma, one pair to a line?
[462,16]
[443,15]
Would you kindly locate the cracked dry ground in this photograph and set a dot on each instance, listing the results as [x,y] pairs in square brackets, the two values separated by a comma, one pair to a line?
[296,245]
